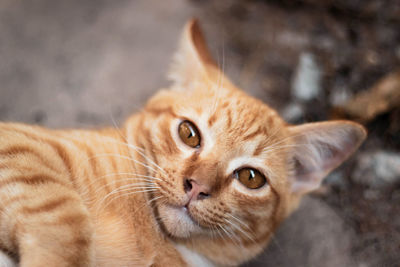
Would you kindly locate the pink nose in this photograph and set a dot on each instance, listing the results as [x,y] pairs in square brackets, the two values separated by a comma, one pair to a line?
[194,190]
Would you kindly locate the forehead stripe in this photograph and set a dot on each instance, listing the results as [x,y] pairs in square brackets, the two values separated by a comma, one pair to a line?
[259,130]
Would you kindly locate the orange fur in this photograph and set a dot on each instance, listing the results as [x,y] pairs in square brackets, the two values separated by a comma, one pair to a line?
[116,197]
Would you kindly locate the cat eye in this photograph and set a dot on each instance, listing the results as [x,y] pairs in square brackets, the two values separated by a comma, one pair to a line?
[189,134]
[250,178]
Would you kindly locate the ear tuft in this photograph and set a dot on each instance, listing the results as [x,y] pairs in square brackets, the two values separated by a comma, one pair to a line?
[319,148]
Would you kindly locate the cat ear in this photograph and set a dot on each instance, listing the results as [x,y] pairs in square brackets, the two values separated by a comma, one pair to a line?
[319,148]
[193,60]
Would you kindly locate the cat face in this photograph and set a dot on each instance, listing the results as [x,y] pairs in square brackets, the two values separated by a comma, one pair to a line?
[228,167]
[219,176]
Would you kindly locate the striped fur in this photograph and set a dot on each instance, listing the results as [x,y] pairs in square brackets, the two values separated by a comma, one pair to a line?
[116,197]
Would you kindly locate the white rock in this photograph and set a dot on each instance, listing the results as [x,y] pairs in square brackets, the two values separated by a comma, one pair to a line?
[378,169]
[306,83]
[292,112]
[339,97]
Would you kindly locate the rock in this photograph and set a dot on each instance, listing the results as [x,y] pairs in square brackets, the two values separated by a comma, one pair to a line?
[339,96]
[380,98]
[337,179]
[378,169]
[292,112]
[306,84]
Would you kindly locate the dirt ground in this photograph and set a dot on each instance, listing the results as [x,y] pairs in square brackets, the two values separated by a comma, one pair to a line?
[91,63]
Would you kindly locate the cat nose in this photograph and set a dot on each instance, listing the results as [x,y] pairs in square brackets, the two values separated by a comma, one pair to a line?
[195,190]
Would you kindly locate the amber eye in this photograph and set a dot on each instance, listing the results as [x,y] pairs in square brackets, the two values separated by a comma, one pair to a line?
[251,178]
[189,134]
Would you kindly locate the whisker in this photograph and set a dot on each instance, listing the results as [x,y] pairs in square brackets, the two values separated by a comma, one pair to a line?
[219,233]
[238,220]
[133,177]
[140,151]
[123,157]
[241,230]
[118,129]
[284,146]
[223,229]
[231,236]
[291,136]
[119,190]
[147,203]
[128,173]
[273,134]
[129,193]
[139,178]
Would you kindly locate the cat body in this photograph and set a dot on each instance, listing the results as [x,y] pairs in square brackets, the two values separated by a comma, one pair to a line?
[202,176]
[61,179]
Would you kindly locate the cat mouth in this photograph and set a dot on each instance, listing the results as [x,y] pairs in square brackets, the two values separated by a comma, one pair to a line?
[179,222]
[185,212]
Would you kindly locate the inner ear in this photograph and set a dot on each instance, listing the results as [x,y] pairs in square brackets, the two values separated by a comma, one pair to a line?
[193,61]
[199,43]
[318,149]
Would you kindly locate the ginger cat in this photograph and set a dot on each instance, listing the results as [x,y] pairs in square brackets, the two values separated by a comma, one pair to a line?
[202,176]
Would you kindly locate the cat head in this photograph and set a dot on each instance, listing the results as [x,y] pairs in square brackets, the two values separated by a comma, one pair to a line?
[226,167]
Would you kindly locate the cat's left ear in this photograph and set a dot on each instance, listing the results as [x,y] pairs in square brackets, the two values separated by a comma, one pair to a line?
[193,60]
[319,148]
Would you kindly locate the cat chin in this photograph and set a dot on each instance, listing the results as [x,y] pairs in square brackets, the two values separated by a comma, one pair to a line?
[177,221]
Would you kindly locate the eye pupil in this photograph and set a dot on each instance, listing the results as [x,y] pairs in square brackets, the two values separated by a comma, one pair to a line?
[189,134]
[251,175]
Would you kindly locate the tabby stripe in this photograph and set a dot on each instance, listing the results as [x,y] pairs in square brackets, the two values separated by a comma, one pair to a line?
[114,169]
[253,119]
[151,148]
[114,165]
[71,219]
[90,156]
[94,166]
[17,150]
[253,134]
[229,115]
[91,159]
[148,138]
[258,150]
[4,164]
[35,179]
[263,237]
[57,147]
[48,206]
[80,241]
[212,120]
[171,147]
[61,151]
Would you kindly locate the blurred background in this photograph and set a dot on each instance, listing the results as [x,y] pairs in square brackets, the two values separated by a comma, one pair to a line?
[91,63]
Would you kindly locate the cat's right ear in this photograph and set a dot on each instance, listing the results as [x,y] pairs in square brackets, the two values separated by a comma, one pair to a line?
[319,148]
[193,61]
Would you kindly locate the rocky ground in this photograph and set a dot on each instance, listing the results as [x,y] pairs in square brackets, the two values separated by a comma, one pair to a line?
[90,63]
